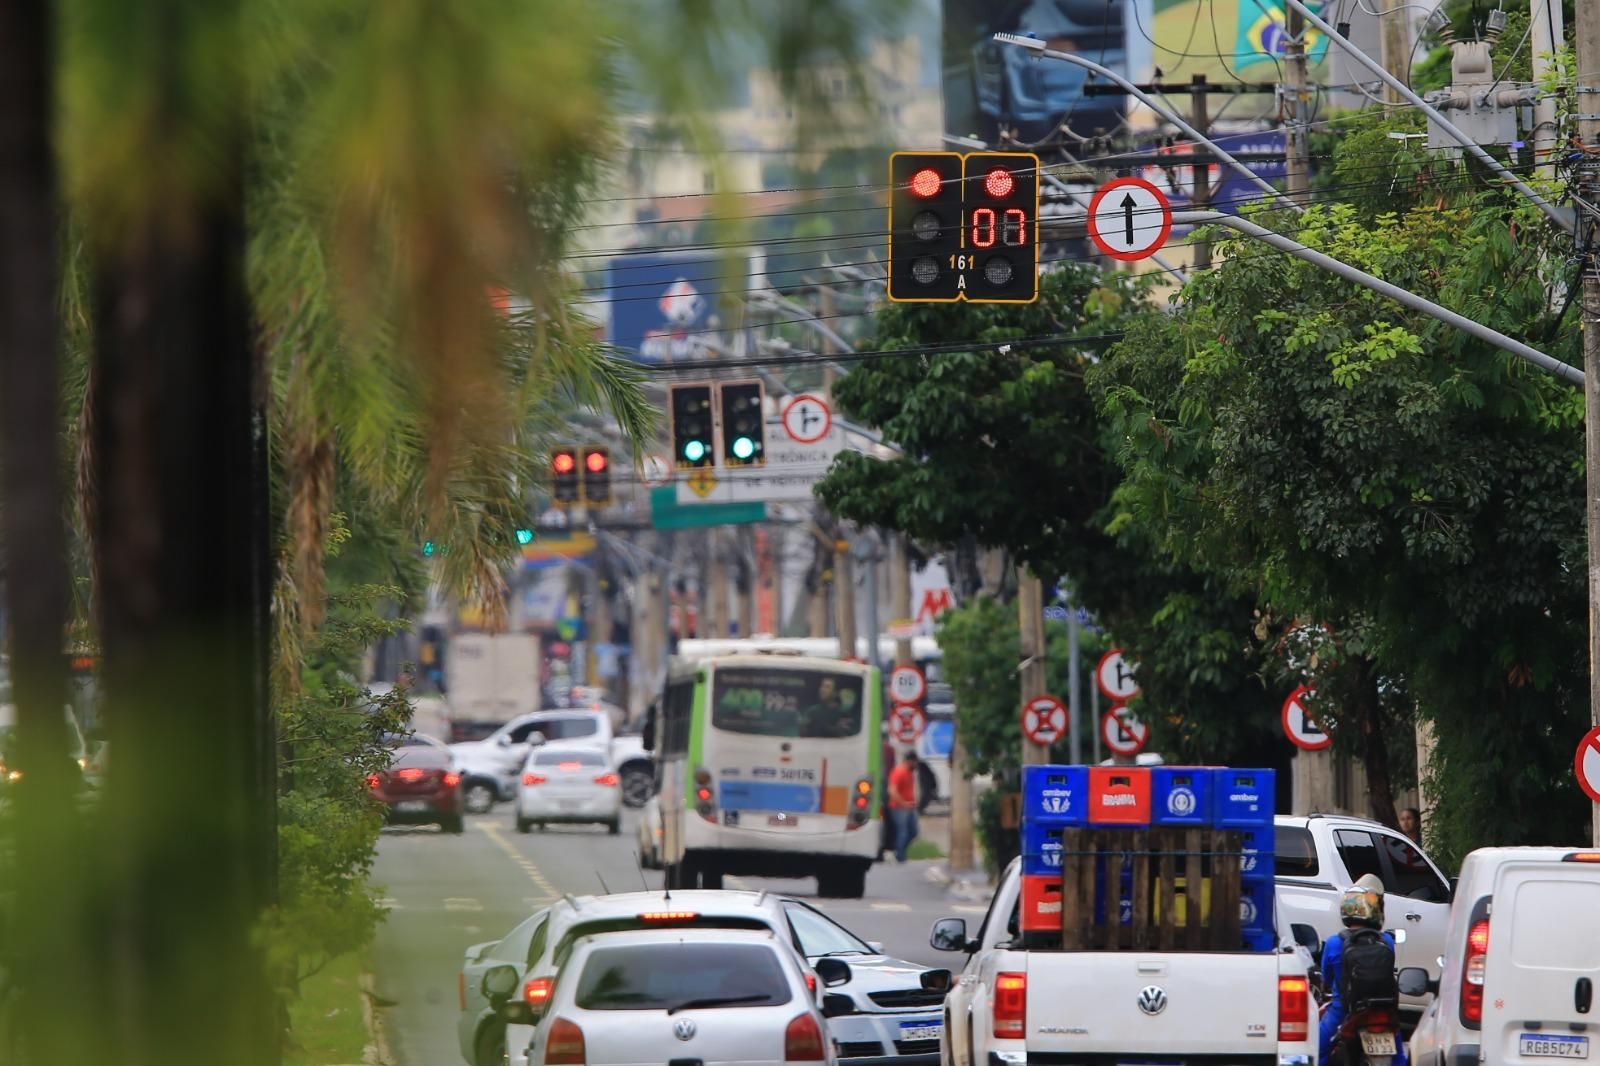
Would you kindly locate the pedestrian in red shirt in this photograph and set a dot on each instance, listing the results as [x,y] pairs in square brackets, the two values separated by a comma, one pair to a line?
[903,804]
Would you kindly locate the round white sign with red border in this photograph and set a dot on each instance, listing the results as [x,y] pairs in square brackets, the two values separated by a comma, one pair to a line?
[807,418]
[1114,675]
[1129,219]
[907,685]
[1299,726]
[1122,733]
[1044,720]
[1586,764]
[906,723]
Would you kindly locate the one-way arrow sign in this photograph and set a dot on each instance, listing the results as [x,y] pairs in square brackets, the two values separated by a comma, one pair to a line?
[1131,225]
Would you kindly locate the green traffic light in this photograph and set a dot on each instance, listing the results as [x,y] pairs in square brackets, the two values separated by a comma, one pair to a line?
[524,536]
[694,450]
[743,447]
[427,547]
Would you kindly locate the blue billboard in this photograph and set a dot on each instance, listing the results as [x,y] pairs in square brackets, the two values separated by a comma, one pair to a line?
[664,304]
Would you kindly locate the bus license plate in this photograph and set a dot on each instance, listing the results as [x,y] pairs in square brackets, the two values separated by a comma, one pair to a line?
[1377,1043]
[1547,1046]
[921,1030]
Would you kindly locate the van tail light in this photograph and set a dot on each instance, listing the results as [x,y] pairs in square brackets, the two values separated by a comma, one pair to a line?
[564,1046]
[1472,971]
[1582,856]
[1010,1005]
[536,993]
[452,779]
[608,780]
[1294,1010]
[532,779]
[461,989]
[802,1040]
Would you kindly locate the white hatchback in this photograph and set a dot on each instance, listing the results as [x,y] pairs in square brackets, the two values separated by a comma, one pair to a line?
[568,784]
[713,996]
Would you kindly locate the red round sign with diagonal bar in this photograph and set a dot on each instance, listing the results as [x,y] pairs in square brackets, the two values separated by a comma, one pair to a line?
[1044,720]
[1586,764]
[1123,733]
[1129,219]
[1299,726]
[906,723]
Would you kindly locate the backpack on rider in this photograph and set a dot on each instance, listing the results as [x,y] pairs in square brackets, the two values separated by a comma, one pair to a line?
[1367,973]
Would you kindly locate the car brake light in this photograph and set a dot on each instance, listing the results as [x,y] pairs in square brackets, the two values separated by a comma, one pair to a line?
[536,993]
[1472,972]
[411,773]
[1294,1009]
[1010,1005]
[570,766]
[802,1040]
[608,780]
[669,916]
[564,1046]
[452,779]
[1582,856]
[532,779]
[374,780]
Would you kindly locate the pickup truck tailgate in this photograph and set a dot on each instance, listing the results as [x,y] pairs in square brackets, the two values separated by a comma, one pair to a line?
[1169,1007]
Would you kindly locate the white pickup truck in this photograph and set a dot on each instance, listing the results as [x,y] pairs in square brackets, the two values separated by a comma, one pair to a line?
[1178,1008]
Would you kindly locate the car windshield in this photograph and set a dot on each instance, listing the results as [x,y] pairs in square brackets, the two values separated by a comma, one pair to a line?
[662,976]
[774,702]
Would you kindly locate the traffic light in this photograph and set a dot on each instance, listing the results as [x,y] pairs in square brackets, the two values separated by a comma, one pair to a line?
[564,475]
[925,227]
[744,424]
[691,426]
[1002,227]
[596,475]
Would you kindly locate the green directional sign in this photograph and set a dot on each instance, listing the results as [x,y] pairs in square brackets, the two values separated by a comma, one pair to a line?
[666,513]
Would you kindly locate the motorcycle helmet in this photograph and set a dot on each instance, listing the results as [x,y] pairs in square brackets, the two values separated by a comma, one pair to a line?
[1362,903]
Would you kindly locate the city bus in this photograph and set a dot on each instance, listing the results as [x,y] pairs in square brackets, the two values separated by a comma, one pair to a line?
[768,765]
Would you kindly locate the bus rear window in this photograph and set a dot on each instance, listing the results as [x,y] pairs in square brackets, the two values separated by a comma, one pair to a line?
[810,704]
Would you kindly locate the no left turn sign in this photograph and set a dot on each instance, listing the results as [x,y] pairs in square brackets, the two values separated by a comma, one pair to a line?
[1114,675]
[906,723]
[1587,764]
[1299,726]
[907,685]
[1044,720]
[1122,732]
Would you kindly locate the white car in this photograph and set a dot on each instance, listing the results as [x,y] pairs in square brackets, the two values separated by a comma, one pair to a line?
[710,996]
[562,784]
[500,755]
[1521,962]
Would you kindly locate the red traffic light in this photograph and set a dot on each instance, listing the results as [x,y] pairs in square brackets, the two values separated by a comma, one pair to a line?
[563,462]
[999,183]
[596,462]
[925,183]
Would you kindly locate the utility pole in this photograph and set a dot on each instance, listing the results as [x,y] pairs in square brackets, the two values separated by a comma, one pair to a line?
[1549,31]
[844,597]
[900,595]
[1074,684]
[1030,622]
[1202,171]
[716,585]
[1394,40]
[1296,164]
[1588,106]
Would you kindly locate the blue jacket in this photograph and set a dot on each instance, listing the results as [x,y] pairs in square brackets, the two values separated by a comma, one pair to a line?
[1333,1011]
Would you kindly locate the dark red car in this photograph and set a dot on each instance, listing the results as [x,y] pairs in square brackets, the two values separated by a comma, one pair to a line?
[421,786]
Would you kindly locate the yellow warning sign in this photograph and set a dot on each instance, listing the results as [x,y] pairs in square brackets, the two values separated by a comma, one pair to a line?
[703,482]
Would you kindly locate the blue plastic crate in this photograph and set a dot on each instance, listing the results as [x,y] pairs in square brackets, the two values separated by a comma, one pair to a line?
[1259,940]
[1041,847]
[1256,901]
[1243,799]
[1181,795]
[1257,845]
[1055,795]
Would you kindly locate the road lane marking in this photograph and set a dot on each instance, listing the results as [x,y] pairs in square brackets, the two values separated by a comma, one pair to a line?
[391,904]
[462,903]
[969,908]
[882,906]
[535,874]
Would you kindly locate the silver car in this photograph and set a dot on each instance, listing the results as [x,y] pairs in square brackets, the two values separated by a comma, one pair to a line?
[480,1030]
[717,996]
[568,784]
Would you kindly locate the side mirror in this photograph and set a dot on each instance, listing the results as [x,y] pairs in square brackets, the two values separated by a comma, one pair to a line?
[503,741]
[498,983]
[1306,936]
[836,1004]
[949,934]
[1414,981]
[833,972]
[936,980]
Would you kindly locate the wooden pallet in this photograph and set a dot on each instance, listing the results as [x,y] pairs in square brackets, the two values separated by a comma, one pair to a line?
[1160,858]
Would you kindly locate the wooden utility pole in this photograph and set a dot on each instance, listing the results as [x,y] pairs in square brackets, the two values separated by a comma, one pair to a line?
[1202,171]
[1395,41]
[1297,165]
[1030,622]
[716,585]
[900,595]
[844,598]
[1588,107]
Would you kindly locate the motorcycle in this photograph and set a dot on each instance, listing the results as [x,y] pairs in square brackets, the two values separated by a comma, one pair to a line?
[1375,1031]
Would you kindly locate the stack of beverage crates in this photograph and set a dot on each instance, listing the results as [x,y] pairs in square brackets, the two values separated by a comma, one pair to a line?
[1058,798]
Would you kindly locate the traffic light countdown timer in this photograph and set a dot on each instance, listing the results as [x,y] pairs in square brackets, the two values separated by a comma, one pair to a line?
[963,227]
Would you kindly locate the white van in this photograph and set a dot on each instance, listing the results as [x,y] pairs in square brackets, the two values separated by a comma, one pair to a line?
[1522,958]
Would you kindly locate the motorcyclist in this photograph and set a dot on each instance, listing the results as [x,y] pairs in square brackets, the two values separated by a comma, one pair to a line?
[1360,907]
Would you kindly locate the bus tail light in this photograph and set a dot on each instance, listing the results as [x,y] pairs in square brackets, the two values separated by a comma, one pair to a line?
[860,804]
[705,796]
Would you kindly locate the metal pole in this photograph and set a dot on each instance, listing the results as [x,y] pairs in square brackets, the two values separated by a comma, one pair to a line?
[1432,112]
[1588,107]
[1094,705]
[1038,47]
[874,622]
[1202,187]
[1074,684]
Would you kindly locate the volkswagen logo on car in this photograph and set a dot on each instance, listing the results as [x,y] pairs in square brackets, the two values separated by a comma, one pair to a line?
[1153,1000]
[683,1028]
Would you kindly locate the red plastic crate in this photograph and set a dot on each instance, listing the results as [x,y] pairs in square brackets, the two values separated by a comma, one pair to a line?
[1119,795]
[1041,903]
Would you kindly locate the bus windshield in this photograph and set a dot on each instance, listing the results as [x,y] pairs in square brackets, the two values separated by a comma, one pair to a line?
[786,702]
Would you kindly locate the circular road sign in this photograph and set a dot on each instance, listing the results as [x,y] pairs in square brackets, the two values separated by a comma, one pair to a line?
[907,685]
[1587,764]
[1129,219]
[1298,724]
[906,723]
[1044,720]
[1114,675]
[1122,733]
[807,418]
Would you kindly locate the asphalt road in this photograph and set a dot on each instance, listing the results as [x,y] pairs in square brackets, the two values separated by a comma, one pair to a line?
[446,893]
